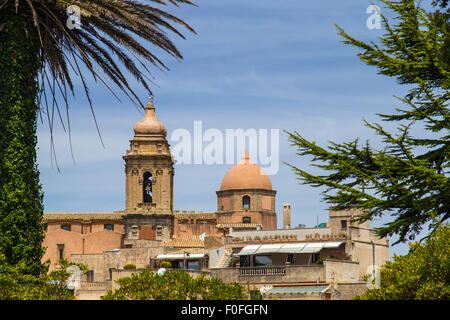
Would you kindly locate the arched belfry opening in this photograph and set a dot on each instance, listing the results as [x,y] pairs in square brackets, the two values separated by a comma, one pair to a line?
[148,187]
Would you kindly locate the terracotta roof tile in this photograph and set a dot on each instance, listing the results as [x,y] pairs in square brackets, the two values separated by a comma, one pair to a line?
[239,225]
[194,215]
[191,250]
[185,242]
[64,216]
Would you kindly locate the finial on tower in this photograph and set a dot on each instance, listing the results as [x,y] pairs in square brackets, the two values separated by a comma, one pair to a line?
[150,103]
[246,159]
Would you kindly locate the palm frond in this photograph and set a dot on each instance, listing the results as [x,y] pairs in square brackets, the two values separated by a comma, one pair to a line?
[110,44]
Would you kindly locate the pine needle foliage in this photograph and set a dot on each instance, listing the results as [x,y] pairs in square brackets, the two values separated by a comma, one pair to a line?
[408,178]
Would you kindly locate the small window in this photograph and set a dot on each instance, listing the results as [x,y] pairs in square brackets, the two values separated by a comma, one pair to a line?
[291,258]
[246,220]
[60,251]
[193,265]
[109,227]
[66,227]
[244,261]
[90,276]
[246,202]
[260,261]
[315,257]
[344,224]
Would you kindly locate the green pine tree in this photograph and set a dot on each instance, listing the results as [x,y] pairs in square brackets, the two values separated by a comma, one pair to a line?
[408,178]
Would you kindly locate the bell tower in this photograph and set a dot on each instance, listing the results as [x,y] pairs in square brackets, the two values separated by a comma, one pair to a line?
[149,180]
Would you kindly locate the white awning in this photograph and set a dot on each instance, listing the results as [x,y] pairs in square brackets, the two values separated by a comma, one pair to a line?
[181,256]
[247,250]
[292,248]
[310,247]
[313,247]
[333,244]
[269,248]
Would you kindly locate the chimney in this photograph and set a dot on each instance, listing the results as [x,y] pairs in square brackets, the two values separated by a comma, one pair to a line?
[286,216]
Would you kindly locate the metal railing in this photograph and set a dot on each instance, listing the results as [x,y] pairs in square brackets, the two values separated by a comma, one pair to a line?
[262,271]
[88,285]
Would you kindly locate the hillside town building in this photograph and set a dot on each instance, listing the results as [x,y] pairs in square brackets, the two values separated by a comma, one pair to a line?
[238,242]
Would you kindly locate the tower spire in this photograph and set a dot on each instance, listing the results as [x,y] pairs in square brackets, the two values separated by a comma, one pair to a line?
[150,123]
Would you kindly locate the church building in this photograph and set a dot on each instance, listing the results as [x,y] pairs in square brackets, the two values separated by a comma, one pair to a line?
[238,242]
[245,201]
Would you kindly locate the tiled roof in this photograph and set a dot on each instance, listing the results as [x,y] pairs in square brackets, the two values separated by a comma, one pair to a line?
[185,242]
[190,250]
[239,225]
[64,216]
[194,215]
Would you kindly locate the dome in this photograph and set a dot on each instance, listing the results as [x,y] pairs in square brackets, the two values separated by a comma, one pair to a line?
[246,175]
[150,124]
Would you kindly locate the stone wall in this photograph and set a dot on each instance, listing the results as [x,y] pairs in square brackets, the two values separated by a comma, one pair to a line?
[347,291]
[368,254]
[87,234]
[341,271]
[215,255]
[103,263]
[299,234]
[75,243]
[294,274]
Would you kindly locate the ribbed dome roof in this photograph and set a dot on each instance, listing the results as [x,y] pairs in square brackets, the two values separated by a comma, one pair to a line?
[246,175]
[150,124]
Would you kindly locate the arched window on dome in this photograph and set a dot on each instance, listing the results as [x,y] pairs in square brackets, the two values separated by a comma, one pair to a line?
[246,202]
[147,187]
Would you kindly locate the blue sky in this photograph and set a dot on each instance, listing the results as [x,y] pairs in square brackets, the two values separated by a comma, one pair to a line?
[253,64]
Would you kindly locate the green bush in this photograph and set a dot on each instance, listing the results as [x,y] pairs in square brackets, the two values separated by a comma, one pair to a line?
[320,261]
[422,274]
[174,285]
[129,266]
[165,264]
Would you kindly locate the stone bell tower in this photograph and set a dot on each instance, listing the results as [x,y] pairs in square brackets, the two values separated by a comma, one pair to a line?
[149,180]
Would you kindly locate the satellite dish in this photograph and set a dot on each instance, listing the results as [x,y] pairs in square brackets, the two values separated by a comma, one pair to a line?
[203,236]
[264,289]
[74,280]
[161,271]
